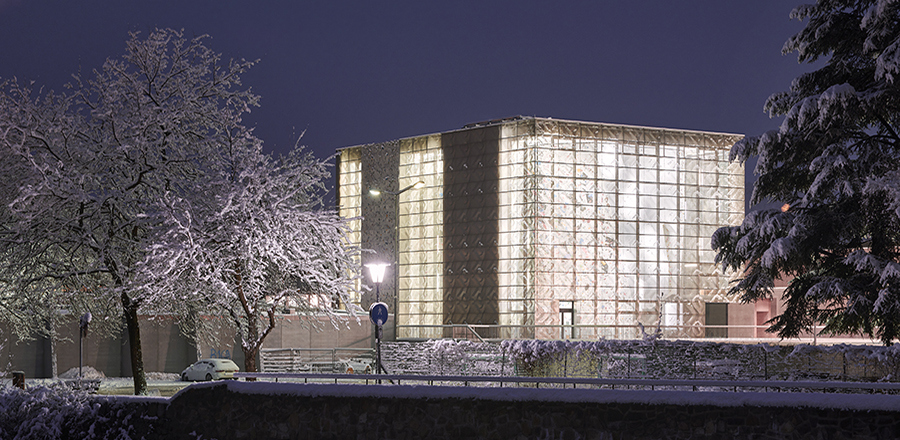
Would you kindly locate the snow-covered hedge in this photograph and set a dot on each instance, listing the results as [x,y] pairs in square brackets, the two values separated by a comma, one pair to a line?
[59,412]
[650,357]
[657,358]
[446,357]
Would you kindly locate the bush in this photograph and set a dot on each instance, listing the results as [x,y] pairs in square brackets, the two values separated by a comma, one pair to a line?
[59,412]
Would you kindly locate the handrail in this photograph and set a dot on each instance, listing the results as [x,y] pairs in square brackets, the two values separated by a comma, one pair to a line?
[694,384]
[474,332]
[509,331]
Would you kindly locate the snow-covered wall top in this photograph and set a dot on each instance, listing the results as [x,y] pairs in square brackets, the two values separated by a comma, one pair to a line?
[646,358]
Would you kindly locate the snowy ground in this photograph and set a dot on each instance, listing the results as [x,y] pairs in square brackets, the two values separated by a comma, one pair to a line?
[164,386]
[159,384]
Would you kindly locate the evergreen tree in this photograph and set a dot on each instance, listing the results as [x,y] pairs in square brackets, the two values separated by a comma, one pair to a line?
[835,160]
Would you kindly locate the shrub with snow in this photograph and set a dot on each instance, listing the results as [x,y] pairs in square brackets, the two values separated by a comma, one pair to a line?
[664,359]
[58,412]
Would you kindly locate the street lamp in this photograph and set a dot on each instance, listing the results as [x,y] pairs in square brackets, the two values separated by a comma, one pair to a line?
[375,192]
[378,311]
[82,333]
[376,271]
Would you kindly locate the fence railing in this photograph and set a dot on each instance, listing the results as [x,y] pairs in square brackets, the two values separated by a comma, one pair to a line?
[317,360]
[584,383]
[496,332]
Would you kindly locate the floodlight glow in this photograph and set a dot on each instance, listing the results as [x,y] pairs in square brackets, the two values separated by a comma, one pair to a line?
[376,270]
[374,192]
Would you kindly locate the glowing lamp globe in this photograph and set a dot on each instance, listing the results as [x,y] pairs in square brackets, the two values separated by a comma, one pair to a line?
[376,270]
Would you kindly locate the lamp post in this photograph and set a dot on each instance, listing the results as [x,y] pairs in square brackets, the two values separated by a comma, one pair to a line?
[378,312]
[375,193]
[82,333]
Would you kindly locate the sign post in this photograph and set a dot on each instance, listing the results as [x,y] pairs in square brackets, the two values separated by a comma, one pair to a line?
[378,311]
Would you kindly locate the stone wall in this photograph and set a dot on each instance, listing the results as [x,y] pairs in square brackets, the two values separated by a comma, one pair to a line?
[248,410]
[167,350]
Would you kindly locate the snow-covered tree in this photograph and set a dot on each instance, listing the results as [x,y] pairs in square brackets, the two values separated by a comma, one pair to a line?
[258,244]
[33,300]
[101,158]
[835,161]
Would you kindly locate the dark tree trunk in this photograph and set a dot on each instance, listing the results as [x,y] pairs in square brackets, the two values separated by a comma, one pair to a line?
[252,340]
[54,365]
[250,347]
[250,359]
[134,339]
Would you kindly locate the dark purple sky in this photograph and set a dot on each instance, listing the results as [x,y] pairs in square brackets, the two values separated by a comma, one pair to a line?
[352,72]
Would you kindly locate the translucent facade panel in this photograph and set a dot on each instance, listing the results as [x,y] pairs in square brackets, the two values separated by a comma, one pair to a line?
[421,220]
[350,200]
[599,227]
[621,226]
[521,169]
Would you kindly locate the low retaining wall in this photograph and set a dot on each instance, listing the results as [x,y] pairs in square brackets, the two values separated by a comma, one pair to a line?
[167,350]
[249,410]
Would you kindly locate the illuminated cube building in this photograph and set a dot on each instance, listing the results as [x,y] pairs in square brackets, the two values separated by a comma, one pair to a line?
[541,228]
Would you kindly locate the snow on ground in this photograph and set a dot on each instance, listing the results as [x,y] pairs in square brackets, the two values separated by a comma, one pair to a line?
[86,372]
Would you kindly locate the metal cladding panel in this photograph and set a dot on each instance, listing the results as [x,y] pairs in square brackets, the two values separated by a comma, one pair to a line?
[471,206]
[379,230]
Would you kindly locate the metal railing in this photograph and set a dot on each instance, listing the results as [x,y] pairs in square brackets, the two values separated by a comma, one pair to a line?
[316,360]
[699,385]
[496,332]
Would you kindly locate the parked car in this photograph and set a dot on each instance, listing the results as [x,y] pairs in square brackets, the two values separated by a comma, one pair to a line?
[210,369]
[353,366]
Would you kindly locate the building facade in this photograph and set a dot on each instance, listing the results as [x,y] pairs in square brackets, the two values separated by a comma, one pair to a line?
[541,228]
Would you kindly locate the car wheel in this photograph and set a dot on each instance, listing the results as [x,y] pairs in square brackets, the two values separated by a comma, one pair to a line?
[208,376]
[184,377]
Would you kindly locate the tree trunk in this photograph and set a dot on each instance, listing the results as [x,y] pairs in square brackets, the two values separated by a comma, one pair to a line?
[134,339]
[54,366]
[251,346]
[250,358]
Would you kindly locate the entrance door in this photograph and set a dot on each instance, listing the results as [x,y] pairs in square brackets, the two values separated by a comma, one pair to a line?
[716,320]
[567,319]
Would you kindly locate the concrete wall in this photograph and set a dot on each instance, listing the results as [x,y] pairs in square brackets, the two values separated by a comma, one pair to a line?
[295,331]
[741,319]
[165,349]
[250,410]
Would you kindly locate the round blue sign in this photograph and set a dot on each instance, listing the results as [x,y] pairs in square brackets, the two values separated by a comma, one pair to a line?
[378,313]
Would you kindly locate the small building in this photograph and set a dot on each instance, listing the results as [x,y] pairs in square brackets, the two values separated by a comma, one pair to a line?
[533,227]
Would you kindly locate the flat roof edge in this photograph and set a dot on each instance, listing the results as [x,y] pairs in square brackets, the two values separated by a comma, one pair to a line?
[501,121]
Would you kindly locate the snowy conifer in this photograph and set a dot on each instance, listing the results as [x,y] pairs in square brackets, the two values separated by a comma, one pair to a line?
[835,161]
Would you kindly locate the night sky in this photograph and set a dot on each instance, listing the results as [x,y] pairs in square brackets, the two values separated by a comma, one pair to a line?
[353,72]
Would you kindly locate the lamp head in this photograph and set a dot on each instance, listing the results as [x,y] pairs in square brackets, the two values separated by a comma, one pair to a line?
[374,192]
[376,270]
